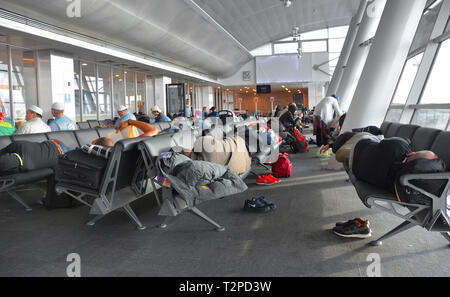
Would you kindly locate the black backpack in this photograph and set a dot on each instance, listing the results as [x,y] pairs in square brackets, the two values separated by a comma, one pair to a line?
[418,166]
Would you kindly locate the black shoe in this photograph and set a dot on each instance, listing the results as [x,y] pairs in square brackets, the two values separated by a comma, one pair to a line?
[355,230]
[350,222]
[256,205]
[267,202]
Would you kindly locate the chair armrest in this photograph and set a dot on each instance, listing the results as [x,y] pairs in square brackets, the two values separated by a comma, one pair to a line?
[406,181]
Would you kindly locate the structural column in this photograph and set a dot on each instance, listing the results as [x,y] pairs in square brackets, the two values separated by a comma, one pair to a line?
[346,50]
[384,64]
[358,55]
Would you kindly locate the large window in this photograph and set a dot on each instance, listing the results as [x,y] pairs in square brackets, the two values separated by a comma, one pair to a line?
[436,93]
[140,82]
[131,91]
[4,82]
[104,92]
[23,81]
[119,89]
[285,48]
[407,79]
[89,91]
[436,90]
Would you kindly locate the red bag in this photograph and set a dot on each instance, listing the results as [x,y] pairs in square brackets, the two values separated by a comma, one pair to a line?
[283,167]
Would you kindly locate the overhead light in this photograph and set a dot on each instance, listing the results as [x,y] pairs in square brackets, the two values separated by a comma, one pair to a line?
[287,3]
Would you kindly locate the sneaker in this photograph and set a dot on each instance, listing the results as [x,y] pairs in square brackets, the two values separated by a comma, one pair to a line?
[355,230]
[265,180]
[267,202]
[276,180]
[256,205]
[350,222]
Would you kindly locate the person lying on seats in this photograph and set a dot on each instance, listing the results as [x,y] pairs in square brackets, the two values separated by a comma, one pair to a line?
[382,163]
[23,156]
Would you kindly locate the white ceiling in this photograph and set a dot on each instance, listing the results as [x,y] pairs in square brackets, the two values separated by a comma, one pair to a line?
[257,22]
[209,36]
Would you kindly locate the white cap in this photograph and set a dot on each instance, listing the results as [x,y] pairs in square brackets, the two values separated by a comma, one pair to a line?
[58,106]
[122,108]
[36,109]
[156,108]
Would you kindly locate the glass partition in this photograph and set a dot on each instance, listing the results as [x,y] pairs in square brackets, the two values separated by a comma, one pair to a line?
[4,82]
[131,91]
[118,89]
[89,91]
[104,92]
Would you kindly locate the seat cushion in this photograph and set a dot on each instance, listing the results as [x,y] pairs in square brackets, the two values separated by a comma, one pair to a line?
[407,131]
[83,125]
[392,130]
[103,132]
[441,147]
[66,137]
[29,177]
[4,141]
[86,136]
[423,139]
[366,191]
[93,124]
[40,137]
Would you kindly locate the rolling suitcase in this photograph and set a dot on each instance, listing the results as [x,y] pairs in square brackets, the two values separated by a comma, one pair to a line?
[81,169]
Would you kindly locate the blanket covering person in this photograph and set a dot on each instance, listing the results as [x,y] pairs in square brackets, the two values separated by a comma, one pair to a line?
[199,181]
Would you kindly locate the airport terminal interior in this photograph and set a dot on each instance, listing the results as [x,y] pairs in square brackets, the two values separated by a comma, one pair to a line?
[170,76]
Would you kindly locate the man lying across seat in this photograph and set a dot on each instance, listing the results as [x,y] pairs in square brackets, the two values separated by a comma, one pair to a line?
[381,163]
[23,156]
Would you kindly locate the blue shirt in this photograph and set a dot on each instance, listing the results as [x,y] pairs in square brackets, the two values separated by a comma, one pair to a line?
[188,112]
[128,116]
[62,123]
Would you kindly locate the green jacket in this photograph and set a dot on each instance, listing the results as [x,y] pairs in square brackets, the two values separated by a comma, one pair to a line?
[6,128]
[200,181]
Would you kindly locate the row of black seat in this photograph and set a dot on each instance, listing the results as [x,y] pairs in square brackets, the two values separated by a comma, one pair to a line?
[434,217]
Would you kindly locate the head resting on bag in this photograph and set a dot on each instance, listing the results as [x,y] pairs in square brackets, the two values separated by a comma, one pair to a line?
[104,141]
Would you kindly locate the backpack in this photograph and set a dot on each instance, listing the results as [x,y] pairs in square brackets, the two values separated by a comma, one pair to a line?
[418,166]
[299,145]
[283,167]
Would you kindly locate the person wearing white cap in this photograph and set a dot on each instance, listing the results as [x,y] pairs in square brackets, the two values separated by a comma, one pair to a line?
[124,116]
[158,115]
[61,122]
[34,123]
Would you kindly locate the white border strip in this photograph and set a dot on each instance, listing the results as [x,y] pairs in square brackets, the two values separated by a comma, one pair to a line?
[100,49]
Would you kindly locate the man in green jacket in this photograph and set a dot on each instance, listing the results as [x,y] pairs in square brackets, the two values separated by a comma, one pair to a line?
[6,128]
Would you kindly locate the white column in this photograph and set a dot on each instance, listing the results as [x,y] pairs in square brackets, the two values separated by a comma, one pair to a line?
[346,50]
[385,63]
[160,92]
[358,55]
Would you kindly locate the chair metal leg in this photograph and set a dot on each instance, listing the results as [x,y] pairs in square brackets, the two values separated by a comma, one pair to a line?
[166,222]
[401,228]
[206,218]
[94,220]
[16,197]
[134,218]
[446,235]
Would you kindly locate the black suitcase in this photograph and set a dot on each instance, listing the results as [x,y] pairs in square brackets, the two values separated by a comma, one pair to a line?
[81,169]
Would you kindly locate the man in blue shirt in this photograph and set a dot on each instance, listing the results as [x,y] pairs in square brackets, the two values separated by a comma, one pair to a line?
[159,116]
[124,116]
[61,122]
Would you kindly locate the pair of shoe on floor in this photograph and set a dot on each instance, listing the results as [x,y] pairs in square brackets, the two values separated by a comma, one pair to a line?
[267,180]
[356,228]
[259,205]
